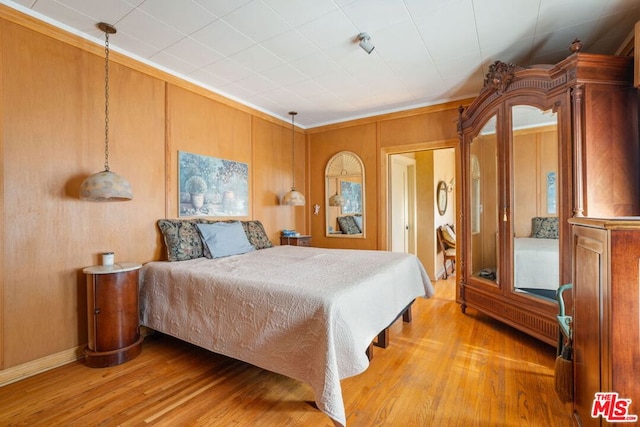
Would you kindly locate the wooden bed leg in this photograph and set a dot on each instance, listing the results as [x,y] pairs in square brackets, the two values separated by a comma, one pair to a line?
[383,339]
[406,316]
[369,352]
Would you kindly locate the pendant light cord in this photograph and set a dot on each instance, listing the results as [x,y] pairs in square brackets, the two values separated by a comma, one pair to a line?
[106,101]
[293,139]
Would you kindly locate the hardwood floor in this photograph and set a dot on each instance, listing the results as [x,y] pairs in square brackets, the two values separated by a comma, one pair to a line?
[444,368]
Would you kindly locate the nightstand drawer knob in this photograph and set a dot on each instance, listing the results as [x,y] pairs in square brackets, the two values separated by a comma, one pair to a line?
[96,311]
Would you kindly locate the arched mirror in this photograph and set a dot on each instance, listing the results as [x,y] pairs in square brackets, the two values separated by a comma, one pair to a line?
[344,196]
[535,225]
[483,165]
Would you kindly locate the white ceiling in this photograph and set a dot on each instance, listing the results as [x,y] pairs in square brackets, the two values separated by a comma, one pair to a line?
[303,55]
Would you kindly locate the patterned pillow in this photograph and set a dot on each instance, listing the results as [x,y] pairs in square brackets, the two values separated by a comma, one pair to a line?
[544,227]
[181,239]
[348,225]
[256,234]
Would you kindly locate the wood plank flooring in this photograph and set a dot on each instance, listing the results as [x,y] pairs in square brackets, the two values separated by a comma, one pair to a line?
[443,369]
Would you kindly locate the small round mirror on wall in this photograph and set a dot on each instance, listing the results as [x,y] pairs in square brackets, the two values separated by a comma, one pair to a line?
[441,196]
[344,196]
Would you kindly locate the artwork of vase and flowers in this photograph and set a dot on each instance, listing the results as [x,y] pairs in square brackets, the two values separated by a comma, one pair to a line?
[209,186]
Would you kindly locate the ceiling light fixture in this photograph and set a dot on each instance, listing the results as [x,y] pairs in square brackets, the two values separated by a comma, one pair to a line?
[106,186]
[293,197]
[365,42]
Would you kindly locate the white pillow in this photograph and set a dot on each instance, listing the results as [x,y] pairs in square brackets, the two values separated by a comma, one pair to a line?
[225,238]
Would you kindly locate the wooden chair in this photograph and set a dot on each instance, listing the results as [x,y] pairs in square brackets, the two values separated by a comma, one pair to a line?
[448,251]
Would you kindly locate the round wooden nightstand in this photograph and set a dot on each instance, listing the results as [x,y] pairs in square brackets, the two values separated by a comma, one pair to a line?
[113,315]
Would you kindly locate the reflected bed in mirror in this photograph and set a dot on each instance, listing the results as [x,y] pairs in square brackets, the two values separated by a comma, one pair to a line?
[536,256]
[344,196]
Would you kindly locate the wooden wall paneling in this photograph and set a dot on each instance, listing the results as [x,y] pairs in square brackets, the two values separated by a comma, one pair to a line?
[53,136]
[2,243]
[426,212]
[63,36]
[526,192]
[360,140]
[204,126]
[300,170]
[437,125]
[271,176]
[548,154]
[535,154]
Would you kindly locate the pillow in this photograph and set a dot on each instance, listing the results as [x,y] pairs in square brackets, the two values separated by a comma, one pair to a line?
[348,225]
[544,227]
[225,238]
[181,239]
[358,221]
[256,234]
[448,235]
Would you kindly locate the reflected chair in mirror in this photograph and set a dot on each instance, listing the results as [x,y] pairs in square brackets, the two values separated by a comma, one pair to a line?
[447,243]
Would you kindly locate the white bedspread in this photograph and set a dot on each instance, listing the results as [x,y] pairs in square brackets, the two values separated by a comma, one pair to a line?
[536,263]
[307,313]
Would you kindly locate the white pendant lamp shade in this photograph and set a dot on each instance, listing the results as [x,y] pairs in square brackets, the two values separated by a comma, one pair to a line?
[106,186]
[337,200]
[293,197]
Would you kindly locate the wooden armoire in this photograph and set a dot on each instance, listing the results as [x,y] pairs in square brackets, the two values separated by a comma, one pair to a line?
[606,317]
[539,146]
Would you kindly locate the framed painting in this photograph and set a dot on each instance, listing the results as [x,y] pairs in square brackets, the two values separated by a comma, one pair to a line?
[209,186]
[352,193]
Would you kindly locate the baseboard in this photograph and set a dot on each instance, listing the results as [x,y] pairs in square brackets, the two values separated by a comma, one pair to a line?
[19,372]
[26,370]
[440,272]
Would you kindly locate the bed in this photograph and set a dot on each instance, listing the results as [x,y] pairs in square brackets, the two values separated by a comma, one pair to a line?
[536,264]
[307,313]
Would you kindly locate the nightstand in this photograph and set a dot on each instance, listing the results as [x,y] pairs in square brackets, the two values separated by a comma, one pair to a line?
[113,316]
[296,240]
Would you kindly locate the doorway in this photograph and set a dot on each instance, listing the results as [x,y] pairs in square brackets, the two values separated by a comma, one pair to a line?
[412,212]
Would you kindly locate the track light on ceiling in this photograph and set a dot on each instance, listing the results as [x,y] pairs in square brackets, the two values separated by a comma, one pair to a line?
[365,42]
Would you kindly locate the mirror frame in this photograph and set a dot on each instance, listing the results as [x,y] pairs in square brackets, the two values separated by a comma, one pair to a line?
[442,197]
[351,167]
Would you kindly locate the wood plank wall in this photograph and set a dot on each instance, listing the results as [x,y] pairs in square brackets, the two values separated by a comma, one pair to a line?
[52,135]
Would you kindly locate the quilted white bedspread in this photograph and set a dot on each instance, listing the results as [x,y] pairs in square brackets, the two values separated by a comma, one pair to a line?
[536,263]
[307,313]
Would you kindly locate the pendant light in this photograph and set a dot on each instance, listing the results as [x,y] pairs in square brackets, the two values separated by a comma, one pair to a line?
[106,186]
[337,199]
[293,197]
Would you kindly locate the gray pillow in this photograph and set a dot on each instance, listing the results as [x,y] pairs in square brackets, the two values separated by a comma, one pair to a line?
[225,239]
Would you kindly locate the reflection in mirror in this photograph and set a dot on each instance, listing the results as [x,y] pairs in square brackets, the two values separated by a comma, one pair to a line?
[484,203]
[344,196]
[536,258]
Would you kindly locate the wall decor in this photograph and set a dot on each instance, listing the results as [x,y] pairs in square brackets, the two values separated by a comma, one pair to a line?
[209,186]
[441,197]
[551,193]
